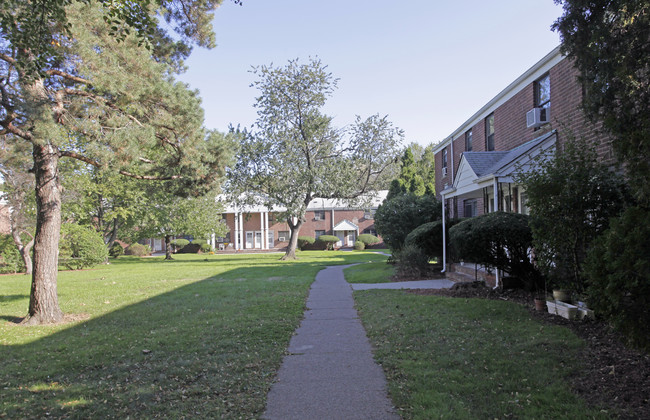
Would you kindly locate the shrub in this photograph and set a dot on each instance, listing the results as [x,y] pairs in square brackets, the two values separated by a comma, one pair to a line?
[368,239]
[572,196]
[397,217]
[497,240]
[199,242]
[138,250]
[10,259]
[328,240]
[428,237]
[179,243]
[190,249]
[304,241]
[81,247]
[411,261]
[618,275]
[206,247]
[359,245]
[116,250]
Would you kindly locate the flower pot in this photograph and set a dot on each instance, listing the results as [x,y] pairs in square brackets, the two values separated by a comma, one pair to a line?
[561,295]
[540,304]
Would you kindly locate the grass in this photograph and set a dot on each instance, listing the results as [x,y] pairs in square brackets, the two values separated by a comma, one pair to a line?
[198,337]
[471,358]
[374,272]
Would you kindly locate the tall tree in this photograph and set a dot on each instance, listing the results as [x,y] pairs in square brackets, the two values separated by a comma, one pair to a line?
[109,104]
[416,175]
[294,154]
[609,41]
[170,216]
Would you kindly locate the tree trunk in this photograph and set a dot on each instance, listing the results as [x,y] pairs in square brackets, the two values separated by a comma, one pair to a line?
[25,252]
[293,240]
[43,299]
[168,247]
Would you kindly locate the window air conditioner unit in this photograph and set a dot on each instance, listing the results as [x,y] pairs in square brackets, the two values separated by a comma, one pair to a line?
[444,171]
[536,117]
[281,239]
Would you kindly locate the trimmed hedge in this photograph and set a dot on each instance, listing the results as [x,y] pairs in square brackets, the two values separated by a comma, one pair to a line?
[368,239]
[304,241]
[81,247]
[498,240]
[359,245]
[328,240]
[116,250]
[179,243]
[137,250]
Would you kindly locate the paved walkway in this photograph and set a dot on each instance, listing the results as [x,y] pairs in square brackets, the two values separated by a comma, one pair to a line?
[330,372]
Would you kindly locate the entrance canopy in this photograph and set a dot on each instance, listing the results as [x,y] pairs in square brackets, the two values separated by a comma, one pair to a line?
[345,225]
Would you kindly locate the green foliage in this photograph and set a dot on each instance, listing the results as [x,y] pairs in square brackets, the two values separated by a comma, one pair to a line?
[428,237]
[417,174]
[116,250]
[81,247]
[304,241]
[411,261]
[137,250]
[497,240]
[179,243]
[608,43]
[328,240]
[359,245]
[206,247]
[368,239]
[571,197]
[199,241]
[618,275]
[294,154]
[397,217]
[10,259]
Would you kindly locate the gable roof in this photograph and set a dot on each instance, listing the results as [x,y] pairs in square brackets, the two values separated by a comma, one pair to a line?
[479,167]
[345,225]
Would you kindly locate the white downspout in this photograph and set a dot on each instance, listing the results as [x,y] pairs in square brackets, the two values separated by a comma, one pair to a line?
[241,231]
[496,208]
[236,230]
[444,237]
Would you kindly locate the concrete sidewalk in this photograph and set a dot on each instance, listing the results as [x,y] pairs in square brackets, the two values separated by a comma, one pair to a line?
[330,372]
[417,284]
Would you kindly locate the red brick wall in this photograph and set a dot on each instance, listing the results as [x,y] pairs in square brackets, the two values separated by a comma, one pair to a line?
[510,128]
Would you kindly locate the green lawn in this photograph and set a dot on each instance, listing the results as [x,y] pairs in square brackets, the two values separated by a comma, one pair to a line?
[202,337]
[198,337]
[471,358]
[375,272]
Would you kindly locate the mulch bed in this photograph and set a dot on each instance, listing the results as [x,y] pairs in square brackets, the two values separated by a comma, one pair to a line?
[616,378]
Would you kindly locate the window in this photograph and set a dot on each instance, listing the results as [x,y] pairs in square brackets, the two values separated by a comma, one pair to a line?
[319,233]
[524,204]
[489,132]
[543,92]
[370,231]
[444,162]
[319,214]
[369,214]
[470,208]
[468,141]
[283,236]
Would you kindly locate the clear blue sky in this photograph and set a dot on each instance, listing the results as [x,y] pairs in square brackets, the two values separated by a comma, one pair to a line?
[428,65]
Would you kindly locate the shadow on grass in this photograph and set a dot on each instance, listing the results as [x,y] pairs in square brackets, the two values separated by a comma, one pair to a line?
[210,348]
[10,298]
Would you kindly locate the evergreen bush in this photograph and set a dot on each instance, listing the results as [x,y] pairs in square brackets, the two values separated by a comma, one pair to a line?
[304,241]
[81,247]
[359,245]
[137,250]
[328,240]
[368,239]
[397,217]
[497,240]
[411,261]
[116,250]
[179,243]
[10,259]
[617,270]
[199,242]
[206,247]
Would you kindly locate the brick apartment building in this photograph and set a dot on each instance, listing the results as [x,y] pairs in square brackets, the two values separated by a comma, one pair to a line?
[476,165]
[255,227]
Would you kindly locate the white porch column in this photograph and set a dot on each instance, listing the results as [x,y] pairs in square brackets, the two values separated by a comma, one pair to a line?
[242,235]
[495,186]
[266,230]
[444,236]
[236,232]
